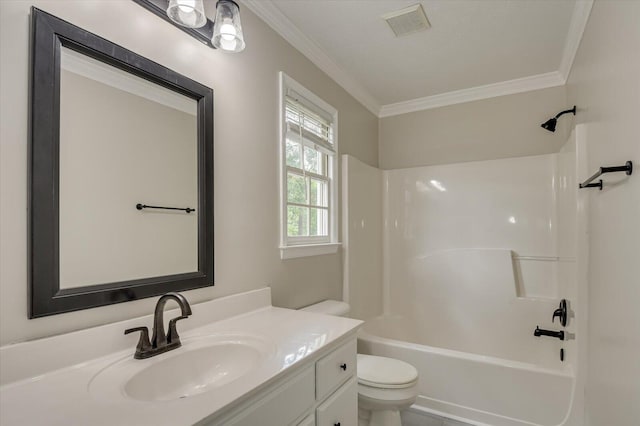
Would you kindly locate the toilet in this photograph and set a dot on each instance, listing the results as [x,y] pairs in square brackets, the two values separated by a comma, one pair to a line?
[385,385]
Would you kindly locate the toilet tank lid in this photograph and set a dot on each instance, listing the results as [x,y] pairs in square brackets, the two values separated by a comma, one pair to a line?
[329,307]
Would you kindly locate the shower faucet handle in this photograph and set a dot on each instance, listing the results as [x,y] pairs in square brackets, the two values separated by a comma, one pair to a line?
[561,313]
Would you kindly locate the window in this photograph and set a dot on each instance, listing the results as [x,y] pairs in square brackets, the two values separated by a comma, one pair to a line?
[308,162]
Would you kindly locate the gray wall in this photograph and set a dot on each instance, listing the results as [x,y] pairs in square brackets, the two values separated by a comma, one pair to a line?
[124,150]
[605,85]
[502,127]
[246,156]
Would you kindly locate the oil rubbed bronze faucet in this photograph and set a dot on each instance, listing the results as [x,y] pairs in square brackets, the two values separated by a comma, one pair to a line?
[161,342]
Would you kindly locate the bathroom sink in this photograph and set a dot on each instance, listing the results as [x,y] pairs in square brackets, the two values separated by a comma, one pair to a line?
[192,372]
[199,366]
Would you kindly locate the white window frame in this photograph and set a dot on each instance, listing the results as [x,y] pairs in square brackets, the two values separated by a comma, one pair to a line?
[292,247]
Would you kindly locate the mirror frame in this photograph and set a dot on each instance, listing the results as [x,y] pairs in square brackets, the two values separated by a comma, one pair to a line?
[48,35]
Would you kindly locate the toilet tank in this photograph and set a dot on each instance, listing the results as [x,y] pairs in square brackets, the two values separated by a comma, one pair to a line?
[329,307]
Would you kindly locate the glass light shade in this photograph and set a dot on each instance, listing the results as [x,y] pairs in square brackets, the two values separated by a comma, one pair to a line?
[227,28]
[188,13]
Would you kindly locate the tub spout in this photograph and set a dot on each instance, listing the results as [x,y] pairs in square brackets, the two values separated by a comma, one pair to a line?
[542,332]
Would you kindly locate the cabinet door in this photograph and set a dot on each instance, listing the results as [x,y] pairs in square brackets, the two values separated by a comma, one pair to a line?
[335,369]
[308,421]
[282,406]
[341,408]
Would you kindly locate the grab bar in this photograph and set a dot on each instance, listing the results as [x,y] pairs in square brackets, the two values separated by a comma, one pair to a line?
[627,168]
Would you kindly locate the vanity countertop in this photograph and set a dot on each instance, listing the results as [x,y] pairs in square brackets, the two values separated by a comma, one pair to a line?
[54,391]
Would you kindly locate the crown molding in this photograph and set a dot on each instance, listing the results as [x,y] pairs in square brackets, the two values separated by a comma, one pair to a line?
[510,87]
[581,12]
[269,13]
[579,18]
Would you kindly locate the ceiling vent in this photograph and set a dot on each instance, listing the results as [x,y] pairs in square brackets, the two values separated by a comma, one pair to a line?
[407,21]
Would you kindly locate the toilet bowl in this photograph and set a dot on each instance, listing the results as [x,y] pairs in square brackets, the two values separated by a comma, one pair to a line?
[385,385]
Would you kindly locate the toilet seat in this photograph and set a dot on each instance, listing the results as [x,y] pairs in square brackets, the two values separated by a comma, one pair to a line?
[385,387]
[385,373]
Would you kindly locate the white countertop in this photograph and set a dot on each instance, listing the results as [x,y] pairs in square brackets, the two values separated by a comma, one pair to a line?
[62,396]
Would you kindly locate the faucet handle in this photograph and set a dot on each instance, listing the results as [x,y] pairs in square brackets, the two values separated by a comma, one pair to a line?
[172,336]
[143,344]
[561,313]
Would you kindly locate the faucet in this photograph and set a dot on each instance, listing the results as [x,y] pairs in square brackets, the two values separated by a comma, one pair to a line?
[161,342]
[541,332]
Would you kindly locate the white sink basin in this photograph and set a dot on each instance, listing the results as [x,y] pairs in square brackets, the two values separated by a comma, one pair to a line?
[199,366]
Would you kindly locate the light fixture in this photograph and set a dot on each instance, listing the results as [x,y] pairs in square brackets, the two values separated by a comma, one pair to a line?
[227,28]
[188,13]
[224,33]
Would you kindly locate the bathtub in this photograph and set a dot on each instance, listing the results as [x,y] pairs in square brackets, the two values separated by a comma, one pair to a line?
[473,388]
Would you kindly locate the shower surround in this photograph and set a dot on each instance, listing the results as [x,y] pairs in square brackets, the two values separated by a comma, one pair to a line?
[474,257]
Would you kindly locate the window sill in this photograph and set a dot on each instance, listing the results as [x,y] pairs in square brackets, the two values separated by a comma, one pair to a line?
[292,252]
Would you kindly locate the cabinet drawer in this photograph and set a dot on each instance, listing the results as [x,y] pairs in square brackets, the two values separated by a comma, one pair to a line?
[341,408]
[282,405]
[335,369]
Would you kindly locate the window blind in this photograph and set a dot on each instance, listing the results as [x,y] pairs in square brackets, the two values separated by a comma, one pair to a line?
[310,125]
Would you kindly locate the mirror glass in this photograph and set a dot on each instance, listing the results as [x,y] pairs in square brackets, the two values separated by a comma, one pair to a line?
[124,141]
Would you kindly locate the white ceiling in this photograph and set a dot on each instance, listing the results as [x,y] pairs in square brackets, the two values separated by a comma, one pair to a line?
[474,48]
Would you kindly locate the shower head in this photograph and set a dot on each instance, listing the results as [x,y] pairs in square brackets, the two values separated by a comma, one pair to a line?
[550,124]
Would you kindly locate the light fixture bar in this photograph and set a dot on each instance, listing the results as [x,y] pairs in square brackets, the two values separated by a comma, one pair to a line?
[159,8]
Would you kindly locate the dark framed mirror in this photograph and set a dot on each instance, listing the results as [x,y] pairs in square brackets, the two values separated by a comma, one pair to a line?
[121,174]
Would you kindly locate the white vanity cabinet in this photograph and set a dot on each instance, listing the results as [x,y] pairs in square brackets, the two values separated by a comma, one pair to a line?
[322,391]
[310,420]
[242,362]
[341,408]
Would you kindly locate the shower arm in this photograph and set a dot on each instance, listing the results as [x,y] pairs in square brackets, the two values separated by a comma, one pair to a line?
[572,110]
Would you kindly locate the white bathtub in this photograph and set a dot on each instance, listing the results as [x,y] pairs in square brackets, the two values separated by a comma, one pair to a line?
[476,389]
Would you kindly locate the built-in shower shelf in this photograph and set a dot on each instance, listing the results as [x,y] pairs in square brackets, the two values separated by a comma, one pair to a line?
[535,276]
